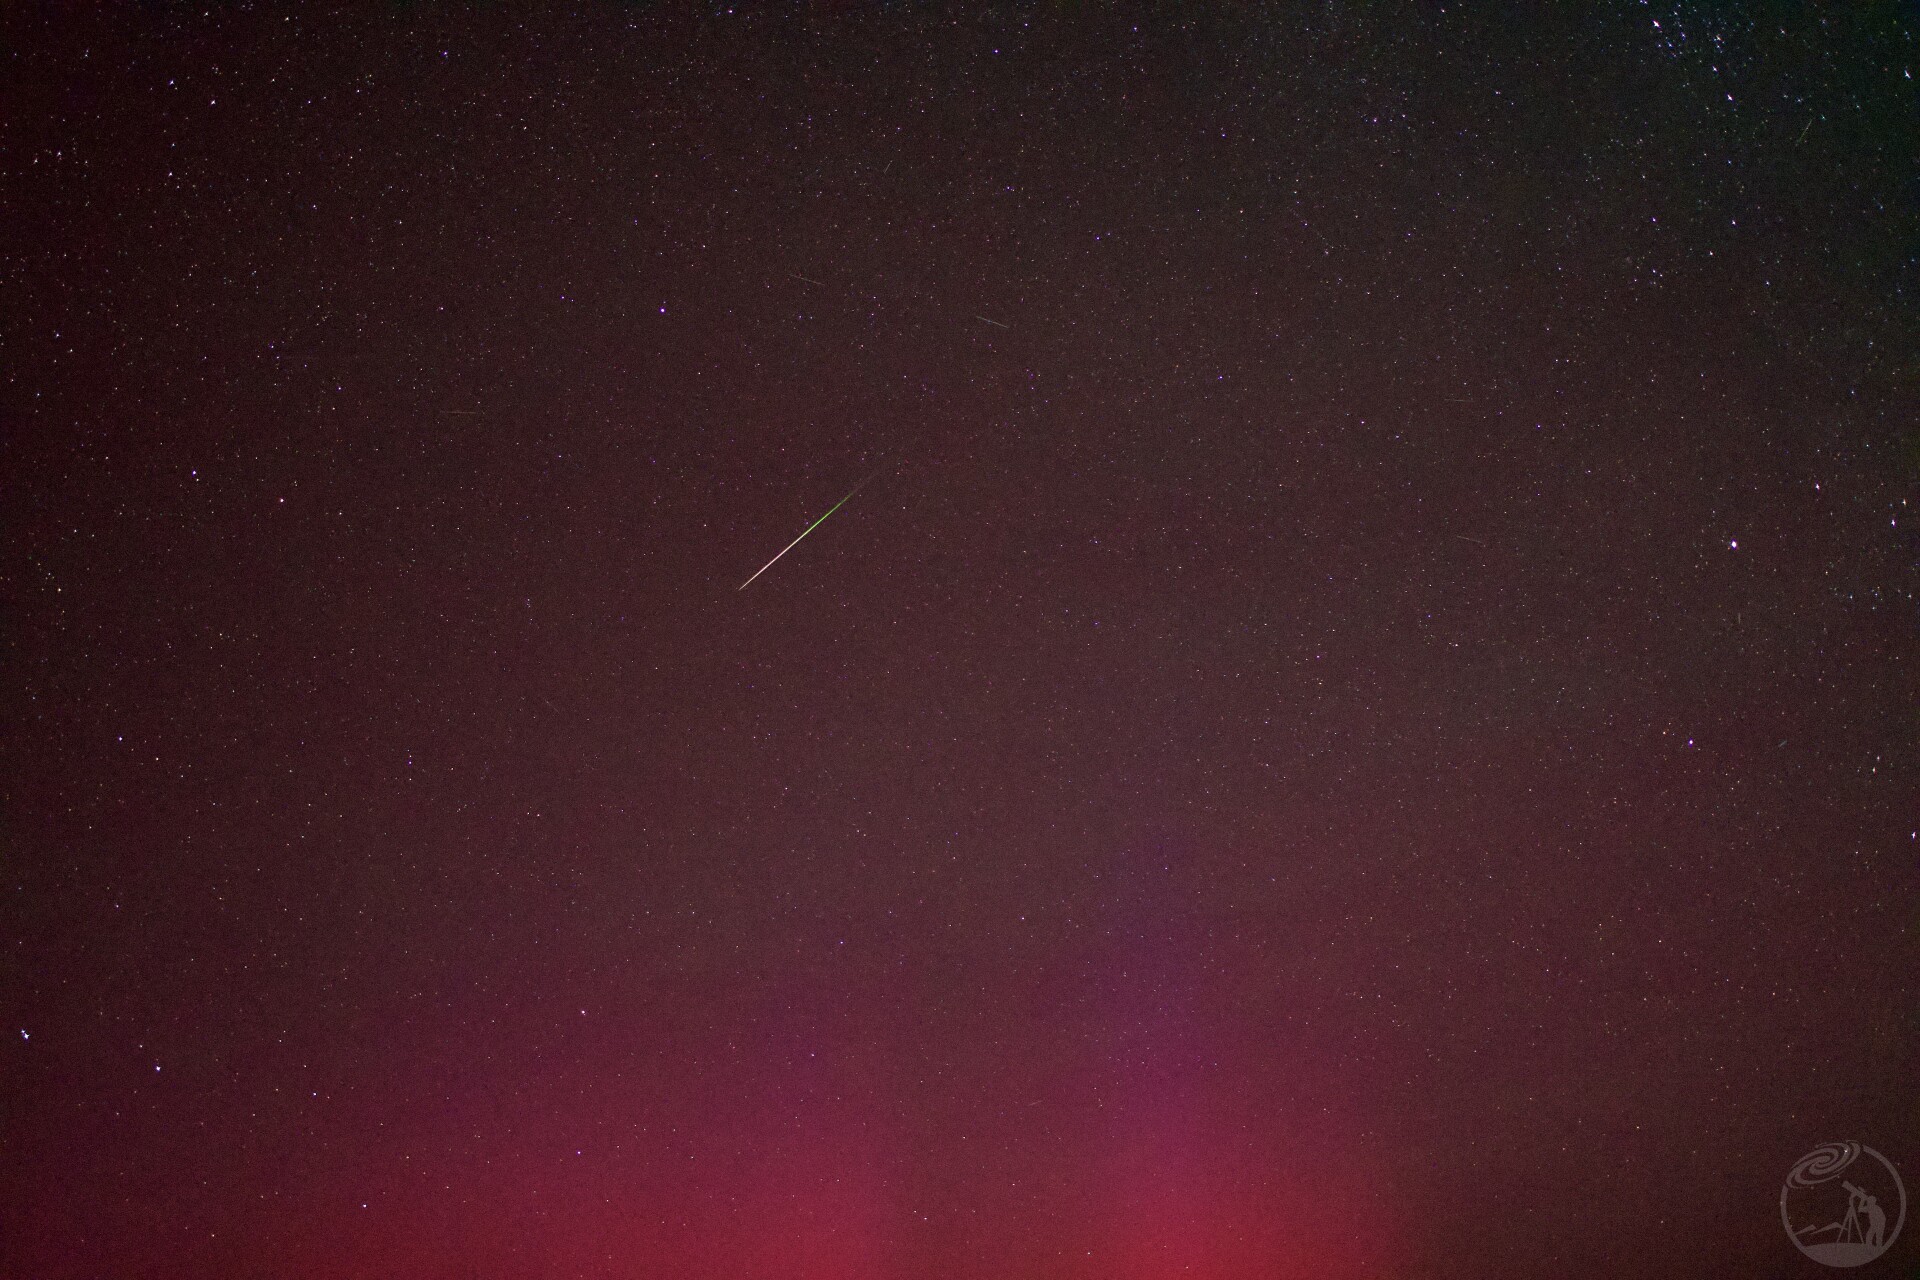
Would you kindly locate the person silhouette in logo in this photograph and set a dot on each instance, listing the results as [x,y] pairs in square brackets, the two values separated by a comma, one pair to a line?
[1876,1232]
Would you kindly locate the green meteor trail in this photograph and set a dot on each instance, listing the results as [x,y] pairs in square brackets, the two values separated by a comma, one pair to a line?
[815,525]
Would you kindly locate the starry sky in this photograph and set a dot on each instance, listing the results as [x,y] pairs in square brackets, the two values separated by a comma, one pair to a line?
[1363,723]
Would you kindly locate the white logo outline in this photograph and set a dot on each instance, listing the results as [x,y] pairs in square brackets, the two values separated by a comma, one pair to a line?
[1859,1235]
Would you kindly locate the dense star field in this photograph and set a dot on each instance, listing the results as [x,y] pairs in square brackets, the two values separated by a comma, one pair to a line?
[1361,721]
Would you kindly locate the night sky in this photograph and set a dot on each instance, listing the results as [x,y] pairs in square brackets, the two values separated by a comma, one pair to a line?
[1362,724]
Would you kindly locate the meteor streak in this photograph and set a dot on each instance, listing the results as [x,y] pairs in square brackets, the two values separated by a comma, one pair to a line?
[815,525]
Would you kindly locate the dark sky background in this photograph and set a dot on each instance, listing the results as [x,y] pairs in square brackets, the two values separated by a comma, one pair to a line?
[1365,727]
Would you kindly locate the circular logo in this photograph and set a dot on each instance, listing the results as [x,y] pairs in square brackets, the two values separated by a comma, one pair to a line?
[1843,1204]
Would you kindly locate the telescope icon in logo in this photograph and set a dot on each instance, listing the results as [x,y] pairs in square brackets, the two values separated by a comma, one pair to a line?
[1843,1204]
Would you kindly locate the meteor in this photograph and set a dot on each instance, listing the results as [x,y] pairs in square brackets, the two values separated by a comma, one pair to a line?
[815,525]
